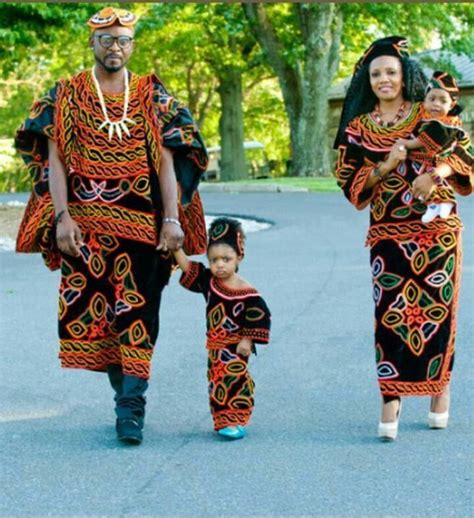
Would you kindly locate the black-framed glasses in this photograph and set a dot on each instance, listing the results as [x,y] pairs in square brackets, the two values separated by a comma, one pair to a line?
[107,41]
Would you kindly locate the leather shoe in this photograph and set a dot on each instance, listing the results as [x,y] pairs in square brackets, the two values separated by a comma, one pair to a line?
[129,431]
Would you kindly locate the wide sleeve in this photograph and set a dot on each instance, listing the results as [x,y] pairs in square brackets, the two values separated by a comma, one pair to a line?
[180,134]
[460,159]
[31,142]
[352,170]
[257,321]
[437,137]
[197,278]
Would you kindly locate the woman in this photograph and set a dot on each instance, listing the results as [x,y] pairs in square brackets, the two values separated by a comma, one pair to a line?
[415,266]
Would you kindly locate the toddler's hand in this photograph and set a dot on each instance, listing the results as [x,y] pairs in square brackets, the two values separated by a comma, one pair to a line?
[245,347]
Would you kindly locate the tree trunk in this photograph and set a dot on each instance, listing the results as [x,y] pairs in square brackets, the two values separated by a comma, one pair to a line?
[231,125]
[305,85]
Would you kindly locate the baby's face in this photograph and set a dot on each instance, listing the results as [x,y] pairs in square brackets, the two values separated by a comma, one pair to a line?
[438,102]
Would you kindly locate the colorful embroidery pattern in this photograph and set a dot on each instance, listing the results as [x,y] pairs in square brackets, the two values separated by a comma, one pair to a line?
[110,295]
[415,266]
[231,315]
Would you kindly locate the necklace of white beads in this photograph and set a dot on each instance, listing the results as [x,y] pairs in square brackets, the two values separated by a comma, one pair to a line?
[119,127]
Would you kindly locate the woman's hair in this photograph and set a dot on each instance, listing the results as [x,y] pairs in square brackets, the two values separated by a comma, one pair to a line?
[227,231]
[360,97]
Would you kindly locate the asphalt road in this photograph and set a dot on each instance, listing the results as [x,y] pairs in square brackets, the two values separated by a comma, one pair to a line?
[312,449]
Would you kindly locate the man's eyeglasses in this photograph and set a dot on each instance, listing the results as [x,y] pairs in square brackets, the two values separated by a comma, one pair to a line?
[107,41]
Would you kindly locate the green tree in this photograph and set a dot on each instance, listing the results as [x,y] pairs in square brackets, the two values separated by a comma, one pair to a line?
[303,44]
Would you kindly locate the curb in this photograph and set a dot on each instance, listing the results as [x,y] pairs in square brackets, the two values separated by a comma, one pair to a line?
[247,187]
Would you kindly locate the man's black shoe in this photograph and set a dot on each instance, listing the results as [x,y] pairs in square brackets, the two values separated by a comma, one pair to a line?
[128,431]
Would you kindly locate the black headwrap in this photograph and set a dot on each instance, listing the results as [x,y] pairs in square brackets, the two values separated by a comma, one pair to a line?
[360,97]
[390,46]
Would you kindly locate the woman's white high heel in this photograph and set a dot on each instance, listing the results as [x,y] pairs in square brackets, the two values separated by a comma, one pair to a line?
[438,420]
[389,431]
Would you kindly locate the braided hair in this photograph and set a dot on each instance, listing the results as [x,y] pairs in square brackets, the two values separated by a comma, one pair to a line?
[227,231]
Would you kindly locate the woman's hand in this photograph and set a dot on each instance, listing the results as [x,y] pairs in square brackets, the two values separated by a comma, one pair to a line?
[245,347]
[423,186]
[397,154]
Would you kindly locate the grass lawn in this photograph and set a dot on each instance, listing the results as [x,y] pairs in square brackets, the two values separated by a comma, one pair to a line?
[314,184]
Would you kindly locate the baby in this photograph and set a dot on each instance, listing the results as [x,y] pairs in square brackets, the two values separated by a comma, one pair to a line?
[436,137]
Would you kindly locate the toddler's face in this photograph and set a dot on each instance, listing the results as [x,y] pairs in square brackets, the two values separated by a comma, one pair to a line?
[438,102]
[223,261]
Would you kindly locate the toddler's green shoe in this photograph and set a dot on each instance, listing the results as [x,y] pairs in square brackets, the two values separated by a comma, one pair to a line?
[232,432]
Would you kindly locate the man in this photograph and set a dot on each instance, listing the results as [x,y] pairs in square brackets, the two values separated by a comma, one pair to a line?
[106,149]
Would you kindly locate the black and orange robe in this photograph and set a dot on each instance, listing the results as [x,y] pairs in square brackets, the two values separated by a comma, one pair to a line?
[439,137]
[232,314]
[416,267]
[109,297]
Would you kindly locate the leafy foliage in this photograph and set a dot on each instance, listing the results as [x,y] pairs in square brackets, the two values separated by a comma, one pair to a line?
[188,45]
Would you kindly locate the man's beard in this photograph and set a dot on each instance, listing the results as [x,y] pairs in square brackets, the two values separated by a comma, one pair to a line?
[108,68]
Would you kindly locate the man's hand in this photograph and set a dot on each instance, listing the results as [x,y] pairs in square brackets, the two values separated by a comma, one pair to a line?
[245,347]
[422,187]
[68,236]
[171,237]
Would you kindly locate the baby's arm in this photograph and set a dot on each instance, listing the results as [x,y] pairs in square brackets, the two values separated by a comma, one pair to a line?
[414,143]
[181,259]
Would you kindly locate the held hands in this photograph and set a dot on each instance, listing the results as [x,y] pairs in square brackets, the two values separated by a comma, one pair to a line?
[68,236]
[423,186]
[244,348]
[171,237]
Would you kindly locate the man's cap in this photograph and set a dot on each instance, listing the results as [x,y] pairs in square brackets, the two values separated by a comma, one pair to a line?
[109,16]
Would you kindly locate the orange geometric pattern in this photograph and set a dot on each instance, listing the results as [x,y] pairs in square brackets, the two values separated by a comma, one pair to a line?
[415,317]
[416,304]
[232,314]
[110,294]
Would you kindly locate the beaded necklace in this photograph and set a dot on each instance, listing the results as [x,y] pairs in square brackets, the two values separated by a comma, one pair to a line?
[120,126]
[378,118]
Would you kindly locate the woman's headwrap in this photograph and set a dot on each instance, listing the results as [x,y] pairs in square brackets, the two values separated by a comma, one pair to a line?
[444,81]
[109,16]
[390,46]
[396,46]
[229,232]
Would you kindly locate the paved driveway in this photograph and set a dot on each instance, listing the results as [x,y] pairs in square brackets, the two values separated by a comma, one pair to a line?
[311,451]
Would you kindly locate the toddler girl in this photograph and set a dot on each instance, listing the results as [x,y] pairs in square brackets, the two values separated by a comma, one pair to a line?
[237,319]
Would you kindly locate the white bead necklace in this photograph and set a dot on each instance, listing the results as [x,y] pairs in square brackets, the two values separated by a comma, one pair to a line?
[120,126]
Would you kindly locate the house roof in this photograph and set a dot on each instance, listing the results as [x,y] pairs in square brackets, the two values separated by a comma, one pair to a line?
[463,65]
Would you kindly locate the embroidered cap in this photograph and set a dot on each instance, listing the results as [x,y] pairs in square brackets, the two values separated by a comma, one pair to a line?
[444,81]
[110,16]
[390,46]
